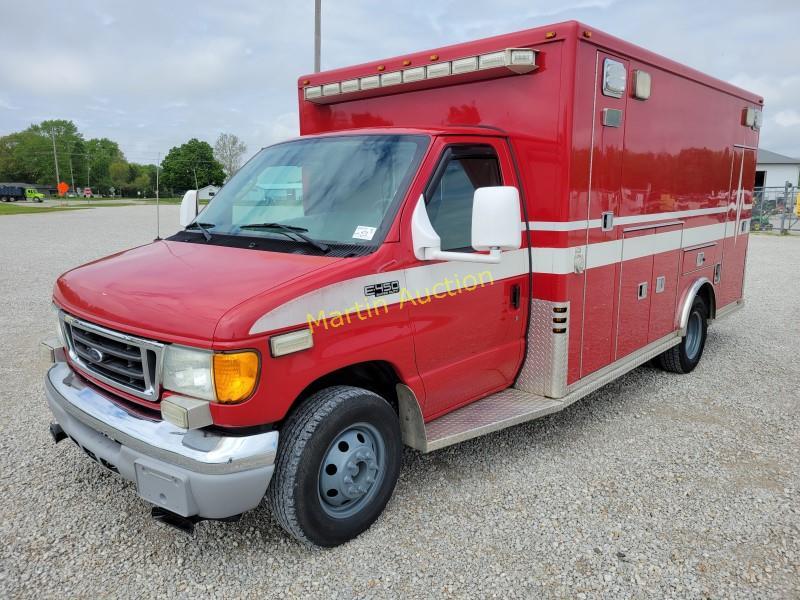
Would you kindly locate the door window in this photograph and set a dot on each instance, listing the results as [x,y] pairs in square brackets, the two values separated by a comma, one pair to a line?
[449,197]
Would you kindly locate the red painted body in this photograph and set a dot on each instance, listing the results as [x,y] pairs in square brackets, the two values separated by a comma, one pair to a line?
[683,149]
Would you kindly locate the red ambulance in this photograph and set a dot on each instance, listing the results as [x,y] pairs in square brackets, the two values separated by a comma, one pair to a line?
[460,240]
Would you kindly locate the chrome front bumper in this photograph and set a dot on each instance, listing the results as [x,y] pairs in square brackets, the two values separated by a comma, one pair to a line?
[189,472]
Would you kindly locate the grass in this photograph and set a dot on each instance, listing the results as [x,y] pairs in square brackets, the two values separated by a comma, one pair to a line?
[16,209]
[79,203]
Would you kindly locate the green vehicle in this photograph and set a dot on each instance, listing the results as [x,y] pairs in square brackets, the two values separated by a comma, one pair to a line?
[760,223]
[34,195]
[13,193]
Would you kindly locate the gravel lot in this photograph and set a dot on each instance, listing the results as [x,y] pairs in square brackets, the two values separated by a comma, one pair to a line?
[657,485]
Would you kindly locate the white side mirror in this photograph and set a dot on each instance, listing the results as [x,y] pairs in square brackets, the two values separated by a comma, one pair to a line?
[188,207]
[495,227]
[495,218]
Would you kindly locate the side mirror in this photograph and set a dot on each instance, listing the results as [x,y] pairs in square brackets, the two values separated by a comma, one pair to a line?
[188,208]
[495,227]
[495,218]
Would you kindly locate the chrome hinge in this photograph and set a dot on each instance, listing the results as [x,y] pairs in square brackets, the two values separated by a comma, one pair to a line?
[580,260]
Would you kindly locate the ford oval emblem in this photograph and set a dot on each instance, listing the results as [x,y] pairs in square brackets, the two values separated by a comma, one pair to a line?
[95,354]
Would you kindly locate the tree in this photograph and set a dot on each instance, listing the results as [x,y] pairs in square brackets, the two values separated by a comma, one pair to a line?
[229,150]
[101,154]
[190,166]
[120,174]
[27,156]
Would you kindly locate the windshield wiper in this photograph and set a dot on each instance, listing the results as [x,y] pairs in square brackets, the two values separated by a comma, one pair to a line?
[202,227]
[289,230]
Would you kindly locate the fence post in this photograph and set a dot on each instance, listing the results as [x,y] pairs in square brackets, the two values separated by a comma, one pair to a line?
[786,187]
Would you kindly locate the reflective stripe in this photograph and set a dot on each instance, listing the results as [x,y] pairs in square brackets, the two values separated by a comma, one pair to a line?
[348,297]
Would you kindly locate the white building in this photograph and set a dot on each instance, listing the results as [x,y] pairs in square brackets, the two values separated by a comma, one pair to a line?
[774,170]
[208,192]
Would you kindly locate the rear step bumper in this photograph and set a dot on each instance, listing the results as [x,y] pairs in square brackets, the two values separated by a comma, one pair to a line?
[192,473]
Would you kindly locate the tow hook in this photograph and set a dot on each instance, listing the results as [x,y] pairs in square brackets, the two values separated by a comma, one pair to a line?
[185,524]
[57,433]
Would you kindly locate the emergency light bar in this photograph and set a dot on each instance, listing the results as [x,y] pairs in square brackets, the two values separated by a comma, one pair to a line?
[482,66]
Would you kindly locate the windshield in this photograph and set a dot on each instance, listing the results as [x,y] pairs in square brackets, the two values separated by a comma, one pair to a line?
[341,190]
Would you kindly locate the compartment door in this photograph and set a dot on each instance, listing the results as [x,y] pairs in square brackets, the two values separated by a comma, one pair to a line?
[605,183]
[664,284]
[635,291]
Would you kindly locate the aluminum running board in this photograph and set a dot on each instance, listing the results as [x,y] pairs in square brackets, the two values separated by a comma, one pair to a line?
[493,413]
[509,407]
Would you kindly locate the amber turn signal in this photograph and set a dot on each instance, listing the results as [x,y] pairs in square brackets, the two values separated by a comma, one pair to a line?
[235,375]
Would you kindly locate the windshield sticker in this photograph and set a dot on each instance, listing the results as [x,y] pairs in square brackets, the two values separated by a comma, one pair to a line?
[363,232]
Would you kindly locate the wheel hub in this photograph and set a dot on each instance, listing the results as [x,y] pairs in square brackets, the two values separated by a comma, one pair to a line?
[351,470]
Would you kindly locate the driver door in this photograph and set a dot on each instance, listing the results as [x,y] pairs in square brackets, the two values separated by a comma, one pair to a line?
[467,318]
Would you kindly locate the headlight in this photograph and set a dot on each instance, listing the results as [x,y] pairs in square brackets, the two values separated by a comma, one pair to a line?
[189,371]
[223,377]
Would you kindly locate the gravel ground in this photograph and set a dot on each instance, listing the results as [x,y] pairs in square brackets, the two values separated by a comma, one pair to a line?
[657,485]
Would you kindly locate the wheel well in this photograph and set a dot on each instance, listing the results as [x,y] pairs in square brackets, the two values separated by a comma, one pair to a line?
[706,292]
[376,376]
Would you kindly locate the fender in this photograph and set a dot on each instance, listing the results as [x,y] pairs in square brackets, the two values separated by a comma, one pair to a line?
[688,299]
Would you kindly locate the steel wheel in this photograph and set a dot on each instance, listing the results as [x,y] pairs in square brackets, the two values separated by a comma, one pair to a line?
[352,470]
[338,462]
[694,330]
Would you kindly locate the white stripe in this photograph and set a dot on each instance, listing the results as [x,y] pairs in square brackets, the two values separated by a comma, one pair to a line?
[627,220]
[562,225]
[420,280]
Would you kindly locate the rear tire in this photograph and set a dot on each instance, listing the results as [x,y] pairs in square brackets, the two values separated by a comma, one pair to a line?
[338,461]
[684,357]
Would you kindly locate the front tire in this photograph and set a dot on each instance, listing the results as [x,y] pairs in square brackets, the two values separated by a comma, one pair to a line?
[684,357]
[338,462]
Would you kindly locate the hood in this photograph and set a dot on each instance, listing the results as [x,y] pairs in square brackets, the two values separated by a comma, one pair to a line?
[176,291]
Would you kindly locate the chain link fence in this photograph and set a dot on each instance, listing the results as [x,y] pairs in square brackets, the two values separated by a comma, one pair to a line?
[776,209]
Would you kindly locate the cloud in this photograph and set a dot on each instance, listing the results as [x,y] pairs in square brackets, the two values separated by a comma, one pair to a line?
[41,72]
[153,74]
[788,118]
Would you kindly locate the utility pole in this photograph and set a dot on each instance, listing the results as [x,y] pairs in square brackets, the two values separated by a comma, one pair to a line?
[55,156]
[88,170]
[71,174]
[317,34]
[194,169]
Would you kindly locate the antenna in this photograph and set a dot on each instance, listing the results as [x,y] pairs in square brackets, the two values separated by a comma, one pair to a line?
[158,214]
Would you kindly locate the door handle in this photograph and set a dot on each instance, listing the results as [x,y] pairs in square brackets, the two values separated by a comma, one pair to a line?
[515,295]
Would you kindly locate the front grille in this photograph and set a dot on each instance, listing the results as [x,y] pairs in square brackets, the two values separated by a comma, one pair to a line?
[123,361]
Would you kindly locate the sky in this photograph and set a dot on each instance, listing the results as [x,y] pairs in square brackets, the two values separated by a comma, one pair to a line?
[152,74]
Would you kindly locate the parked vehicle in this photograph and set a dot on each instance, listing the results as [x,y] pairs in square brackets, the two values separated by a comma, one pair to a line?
[13,193]
[460,240]
[761,223]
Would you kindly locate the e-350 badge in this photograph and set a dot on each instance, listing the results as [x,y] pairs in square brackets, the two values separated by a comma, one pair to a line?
[382,289]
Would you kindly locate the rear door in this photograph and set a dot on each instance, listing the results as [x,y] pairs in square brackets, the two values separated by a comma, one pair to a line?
[737,227]
[468,319]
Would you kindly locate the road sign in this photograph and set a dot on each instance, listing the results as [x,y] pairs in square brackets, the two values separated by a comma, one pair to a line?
[63,188]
